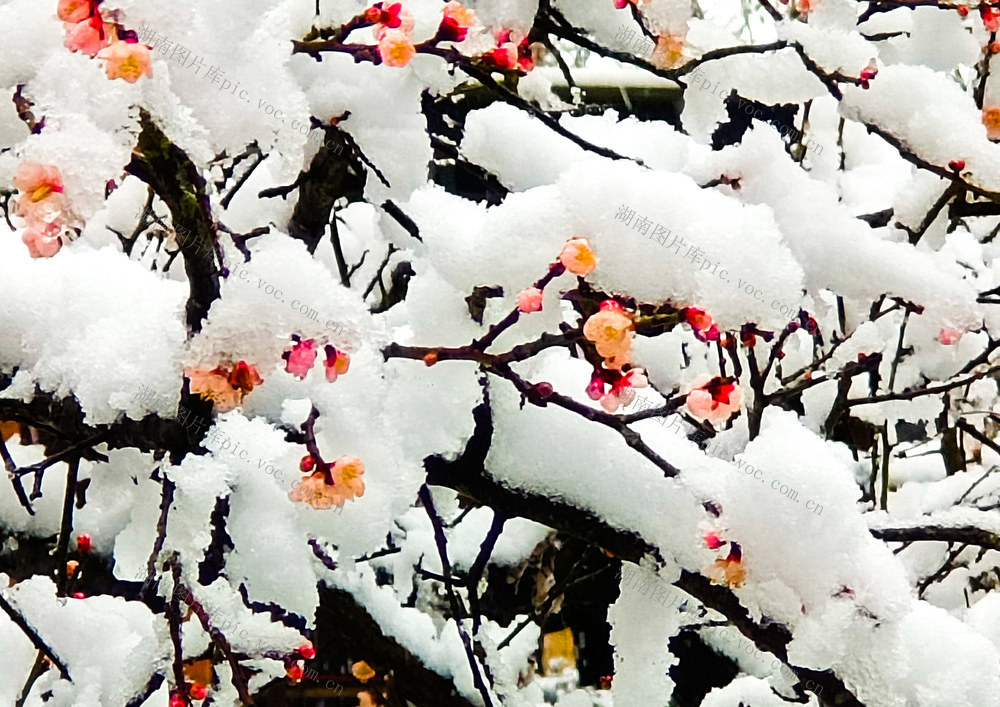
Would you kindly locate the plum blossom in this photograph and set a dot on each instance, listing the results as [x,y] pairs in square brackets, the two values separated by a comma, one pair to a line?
[750,331]
[41,242]
[456,22]
[395,48]
[595,389]
[701,323]
[40,204]
[529,299]
[198,691]
[87,37]
[75,10]
[362,671]
[578,257]
[225,387]
[991,120]
[728,570]
[510,54]
[388,16]
[244,377]
[669,50]
[712,532]
[713,541]
[949,336]
[315,491]
[126,60]
[611,330]
[301,357]
[991,16]
[332,485]
[84,543]
[713,399]
[347,472]
[503,57]
[623,390]
[36,182]
[868,73]
[337,362]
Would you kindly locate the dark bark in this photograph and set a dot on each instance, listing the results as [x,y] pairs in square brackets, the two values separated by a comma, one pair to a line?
[176,180]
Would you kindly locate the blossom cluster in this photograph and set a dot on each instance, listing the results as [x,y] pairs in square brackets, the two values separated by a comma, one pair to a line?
[300,359]
[89,32]
[393,23]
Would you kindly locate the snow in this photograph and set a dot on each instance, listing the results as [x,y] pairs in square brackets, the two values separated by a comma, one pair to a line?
[134,645]
[747,232]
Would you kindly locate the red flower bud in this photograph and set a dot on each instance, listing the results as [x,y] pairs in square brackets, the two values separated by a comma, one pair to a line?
[307,651]
[990,16]
[595,389]
[83,542]
[544,390]
[79,595]
[963,10]
[451,31]
[294,672]
[177,700]
[198,691]
[308,463]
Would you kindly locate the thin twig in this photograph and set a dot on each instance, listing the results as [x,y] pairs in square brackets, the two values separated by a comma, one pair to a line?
[15,480]
[66,526]
[33,636]
[922,391]
[442,546]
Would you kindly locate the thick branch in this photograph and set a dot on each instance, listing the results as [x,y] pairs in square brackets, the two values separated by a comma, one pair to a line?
[342,618]
[176,180]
